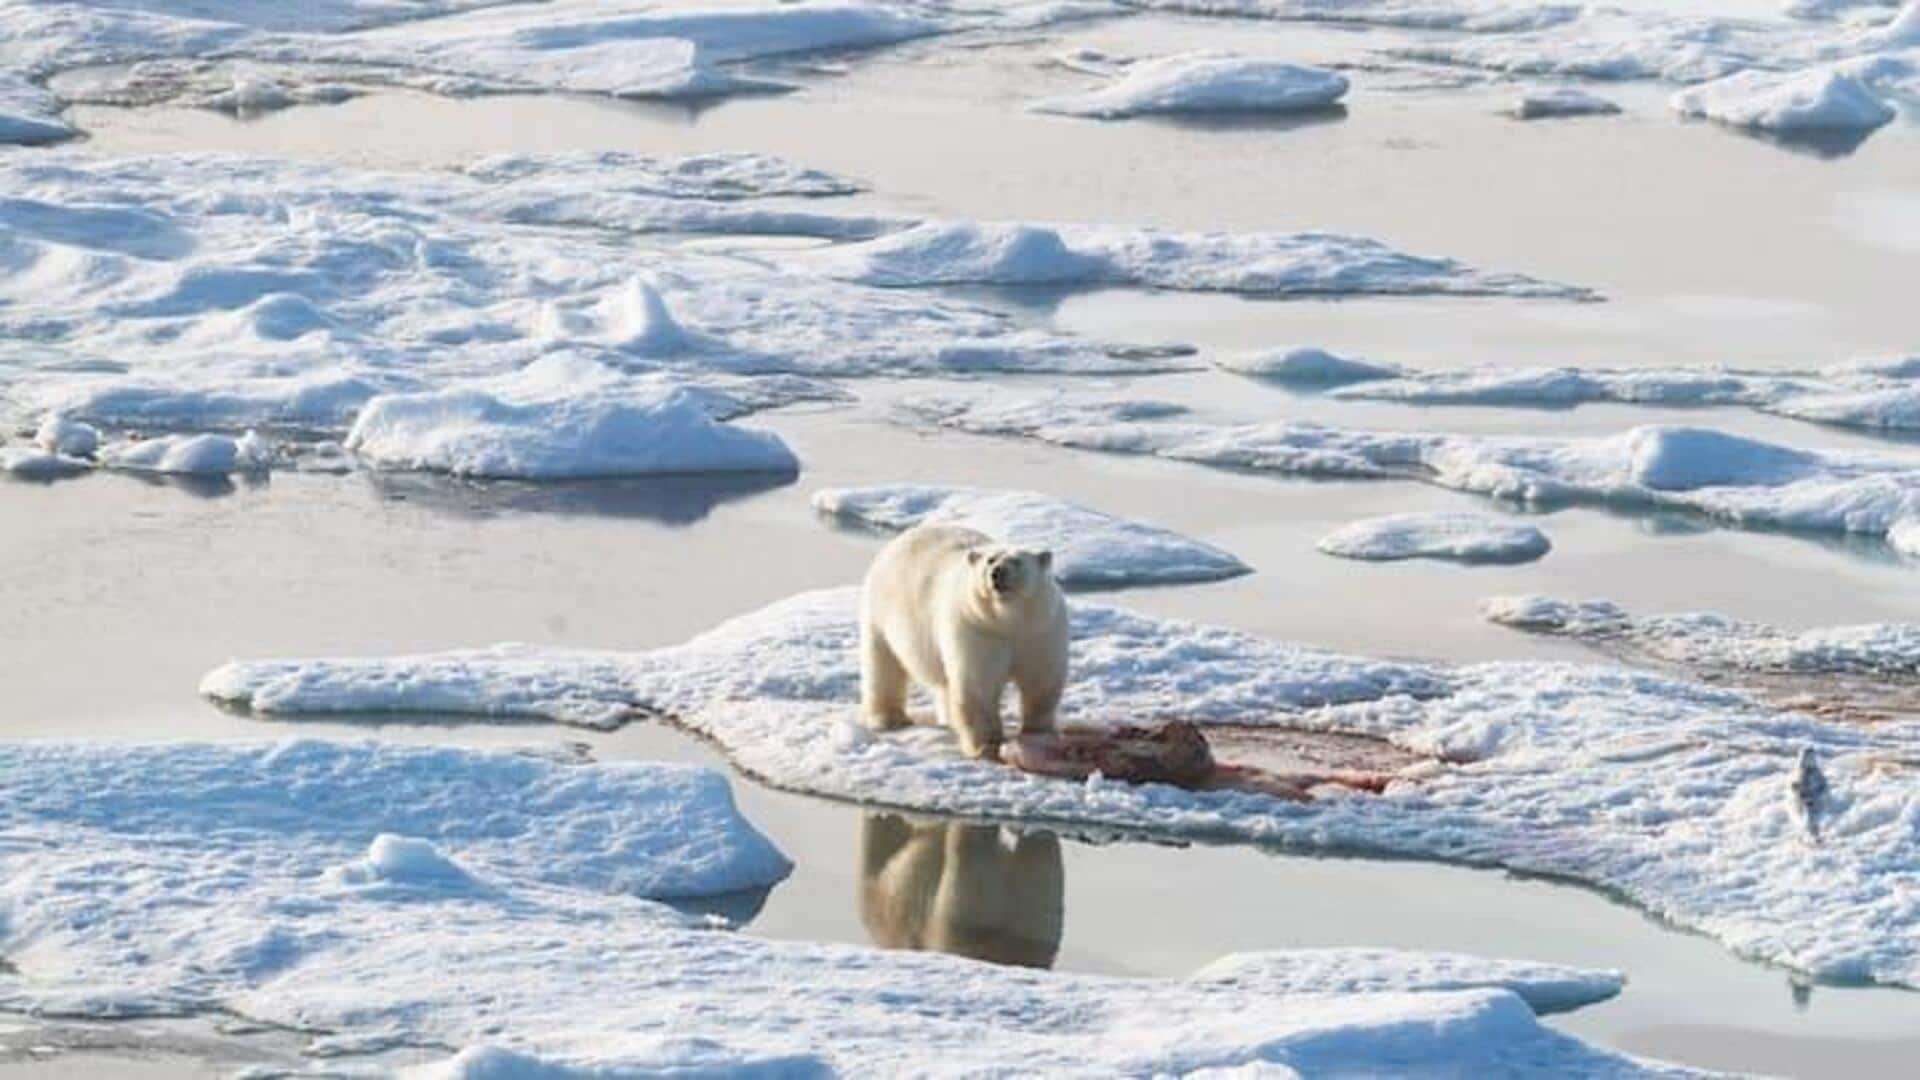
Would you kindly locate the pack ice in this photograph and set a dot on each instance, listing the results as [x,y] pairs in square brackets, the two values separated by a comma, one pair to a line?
[504,906]
[1090,548]
[1677,797]
[1737,480]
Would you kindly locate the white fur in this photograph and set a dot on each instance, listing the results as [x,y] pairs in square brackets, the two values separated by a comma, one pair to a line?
[930,614]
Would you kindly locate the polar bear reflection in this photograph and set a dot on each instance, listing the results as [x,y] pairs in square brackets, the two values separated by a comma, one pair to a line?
[972,890]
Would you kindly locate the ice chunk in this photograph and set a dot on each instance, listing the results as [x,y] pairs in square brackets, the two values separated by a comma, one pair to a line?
[190,455]
[1816,100]
[1738,480]
[475,433]
[1560,101]
[1205,82]
[1090,548]
[1894,408]
[31,463]
[1475,17]
[63,435]
[29,114]
[1565,387]
[1670,794]
[1703,640]
[945,253]
[1306,366]
[722,176]
[1469,538]
[405,860]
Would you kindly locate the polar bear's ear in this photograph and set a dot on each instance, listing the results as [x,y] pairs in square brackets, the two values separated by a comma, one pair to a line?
[974,555]
[1046,558]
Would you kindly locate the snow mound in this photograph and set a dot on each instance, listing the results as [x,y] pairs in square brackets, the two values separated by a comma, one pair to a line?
[234,868]
[1205,82]
[1801,101]
[190,455]
[1904,537]
[1703,640]
[1091,549]
[1558,102]
[1306,366]
[1673,795]
[1468,538]
[29,115]
[1616,43]
[1736,480]
[475,433]
[952,253]
[59,434]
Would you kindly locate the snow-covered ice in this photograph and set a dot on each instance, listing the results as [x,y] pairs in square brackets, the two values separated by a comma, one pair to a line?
[1894,408]
[1562,387]
[1459,537]
[1467,17]
[1801,101]
[29,114]
[153,879]
[473,433]
[1904,537]
[1305,366]
[64,435]
[1012,253]
[1673,795]
[1090,548]
[1734,479]
[354,893]
[219,293]
[1560,101]
[1705,640]
[1205,82]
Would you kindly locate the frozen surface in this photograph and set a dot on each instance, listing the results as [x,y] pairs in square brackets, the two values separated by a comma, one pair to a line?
[1467,17]
[216,293]
[1904,537]
[169,877]
[1737,480]
[1675,796]
[1708,640]
[1205,82]
[379,896]
[1090,548]
[1565,387]
[1893,408]
[1801,101]
[1306,366]
[28,114]
[1560,101]
[944,253]
[1468,538]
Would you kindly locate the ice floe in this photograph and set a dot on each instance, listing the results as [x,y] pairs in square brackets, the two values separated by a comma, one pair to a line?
[1410,14]
[946,253]
[1205,82]
[1566,387]
[473,433]
[29,114]
[1734,479]
[1675,796]
[64,435]
[240,292]
[1904,537]
[1468,538]
[1306,366]
[1090,548]
[1705,640]
[1801,101]
[1560,101]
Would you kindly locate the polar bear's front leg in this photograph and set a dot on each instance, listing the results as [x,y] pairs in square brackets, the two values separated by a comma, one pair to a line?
[1040,673]
[971,704]
[883,682]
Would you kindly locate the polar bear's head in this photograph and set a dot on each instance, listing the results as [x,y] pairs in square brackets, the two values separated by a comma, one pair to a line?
[1007,573]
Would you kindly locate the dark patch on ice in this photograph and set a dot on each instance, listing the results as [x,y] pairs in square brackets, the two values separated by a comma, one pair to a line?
[667,500]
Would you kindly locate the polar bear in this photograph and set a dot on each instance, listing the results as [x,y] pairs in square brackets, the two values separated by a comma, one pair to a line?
[962,616]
